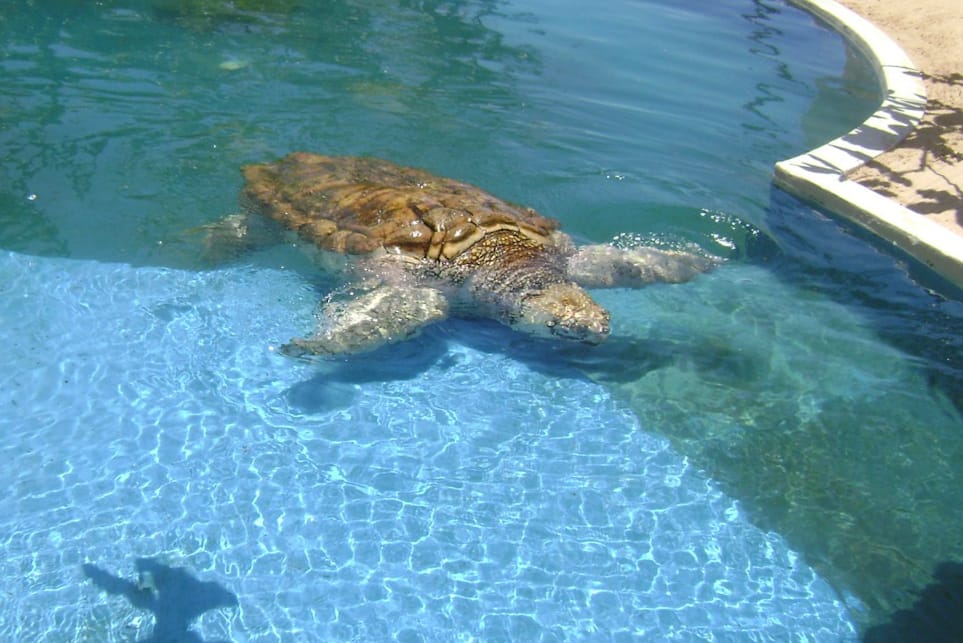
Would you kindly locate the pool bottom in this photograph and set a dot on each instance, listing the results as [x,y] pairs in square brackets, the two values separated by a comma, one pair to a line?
[457,492]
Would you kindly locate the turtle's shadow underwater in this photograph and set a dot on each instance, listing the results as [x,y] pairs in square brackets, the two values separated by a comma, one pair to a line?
[335,382]
[175,597]
[417,255]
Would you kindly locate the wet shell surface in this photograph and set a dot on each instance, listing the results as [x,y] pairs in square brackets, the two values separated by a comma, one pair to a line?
[357,205]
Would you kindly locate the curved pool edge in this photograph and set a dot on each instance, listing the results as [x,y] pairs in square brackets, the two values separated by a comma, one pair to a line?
[820,175]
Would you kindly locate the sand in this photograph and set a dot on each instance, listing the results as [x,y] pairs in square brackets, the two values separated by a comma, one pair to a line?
[925,172]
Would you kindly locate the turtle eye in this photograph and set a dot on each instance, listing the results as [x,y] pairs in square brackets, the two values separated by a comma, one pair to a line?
[551,323]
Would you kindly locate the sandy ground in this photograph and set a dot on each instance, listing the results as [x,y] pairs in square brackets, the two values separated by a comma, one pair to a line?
[924,172]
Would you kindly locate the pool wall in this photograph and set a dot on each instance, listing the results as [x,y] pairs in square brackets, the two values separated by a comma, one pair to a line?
[820,175]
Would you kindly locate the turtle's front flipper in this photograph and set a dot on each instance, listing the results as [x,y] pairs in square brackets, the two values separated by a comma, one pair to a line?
[385,315]
[605,266]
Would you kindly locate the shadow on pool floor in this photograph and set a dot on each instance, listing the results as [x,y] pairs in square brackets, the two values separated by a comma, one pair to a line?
[174,596]
[936,616]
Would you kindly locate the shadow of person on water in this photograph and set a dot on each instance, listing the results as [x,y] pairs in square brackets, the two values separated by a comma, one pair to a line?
[174,596]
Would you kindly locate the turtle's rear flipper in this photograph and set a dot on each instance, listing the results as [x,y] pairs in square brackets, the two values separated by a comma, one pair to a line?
[384,315]
[606,266]
[234,236]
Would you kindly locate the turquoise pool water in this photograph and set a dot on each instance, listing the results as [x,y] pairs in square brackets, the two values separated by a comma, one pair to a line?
[772,451]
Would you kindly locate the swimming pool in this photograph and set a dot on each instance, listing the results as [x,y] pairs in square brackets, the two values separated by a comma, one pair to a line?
[770,450]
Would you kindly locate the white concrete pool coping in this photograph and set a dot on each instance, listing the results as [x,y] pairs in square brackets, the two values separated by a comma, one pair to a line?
[820,175]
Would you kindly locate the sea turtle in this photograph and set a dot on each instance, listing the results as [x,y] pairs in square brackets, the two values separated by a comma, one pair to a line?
[418,248]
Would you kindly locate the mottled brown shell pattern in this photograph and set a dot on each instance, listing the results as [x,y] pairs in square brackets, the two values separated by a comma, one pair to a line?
[357,205]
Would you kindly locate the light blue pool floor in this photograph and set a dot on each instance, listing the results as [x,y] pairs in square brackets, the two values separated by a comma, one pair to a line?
[146,418]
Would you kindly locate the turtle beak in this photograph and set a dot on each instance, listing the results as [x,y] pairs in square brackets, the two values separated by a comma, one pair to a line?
[588,326]
[564,311]
[597,331]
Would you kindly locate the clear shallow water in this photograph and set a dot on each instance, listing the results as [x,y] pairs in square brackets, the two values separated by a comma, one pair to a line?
[340,502]
[774,448]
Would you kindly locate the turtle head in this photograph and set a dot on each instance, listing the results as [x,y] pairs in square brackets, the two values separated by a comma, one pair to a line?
[565,311]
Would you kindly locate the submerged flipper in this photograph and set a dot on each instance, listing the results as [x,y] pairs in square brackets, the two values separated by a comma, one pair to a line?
[606,266]
[384,315]
[236,235]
